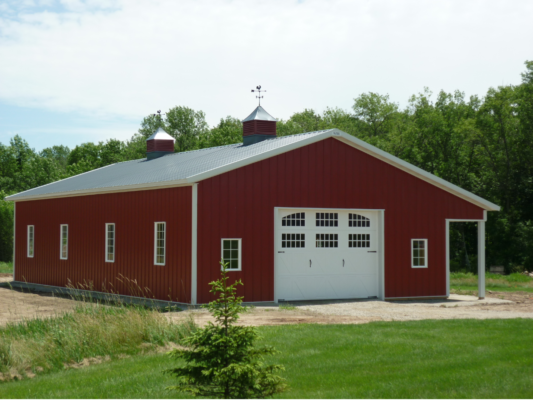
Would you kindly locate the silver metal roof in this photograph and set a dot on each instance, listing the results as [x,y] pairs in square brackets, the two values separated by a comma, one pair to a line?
[171,169]
[186,168]
[259,114]
[160,134]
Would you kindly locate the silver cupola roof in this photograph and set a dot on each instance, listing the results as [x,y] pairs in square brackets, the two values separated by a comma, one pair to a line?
[259,114]
[160,134]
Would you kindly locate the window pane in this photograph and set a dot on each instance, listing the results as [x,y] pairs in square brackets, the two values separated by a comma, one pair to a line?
[234,264]
[293,240]
[296,219]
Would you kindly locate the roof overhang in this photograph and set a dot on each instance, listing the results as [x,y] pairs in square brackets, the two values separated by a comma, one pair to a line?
[364,147]
[105,190]
[331,133]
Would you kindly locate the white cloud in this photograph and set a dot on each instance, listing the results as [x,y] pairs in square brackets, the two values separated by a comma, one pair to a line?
[129,58]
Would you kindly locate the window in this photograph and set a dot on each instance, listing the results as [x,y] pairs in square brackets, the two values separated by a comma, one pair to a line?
[358,221]
[110,242]
[292,240]
[297,219]
[419,253]
[159,243]
[327,240]
[31,237]
[327,219]
[359,240]
[63,249]
[231,253]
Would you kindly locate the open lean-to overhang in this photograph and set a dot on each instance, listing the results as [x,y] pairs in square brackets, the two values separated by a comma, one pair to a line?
[187,168]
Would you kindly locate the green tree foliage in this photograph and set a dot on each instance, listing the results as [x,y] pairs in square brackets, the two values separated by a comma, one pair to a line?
[376,112]
[6,229]
[221,360]
[228,131]
[482,145]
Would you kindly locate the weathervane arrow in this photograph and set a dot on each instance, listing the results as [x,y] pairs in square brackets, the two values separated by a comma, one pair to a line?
[258,89]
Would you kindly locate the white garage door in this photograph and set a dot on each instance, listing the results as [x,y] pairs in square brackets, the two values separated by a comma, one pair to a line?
[326,254]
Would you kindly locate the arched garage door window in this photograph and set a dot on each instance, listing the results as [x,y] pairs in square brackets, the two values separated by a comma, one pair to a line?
[296,219]
[358,221]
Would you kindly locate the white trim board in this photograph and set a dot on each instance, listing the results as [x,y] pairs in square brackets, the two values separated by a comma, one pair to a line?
[447,246]
[331,133]
[15,237]
[194,245]
[114,189]
[366,148]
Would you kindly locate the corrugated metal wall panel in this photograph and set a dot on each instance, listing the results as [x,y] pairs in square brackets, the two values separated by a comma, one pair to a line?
[327,174]
[134,214]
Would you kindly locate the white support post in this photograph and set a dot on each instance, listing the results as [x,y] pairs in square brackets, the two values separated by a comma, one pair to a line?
[447,229]
[15,236]
[481,259]
[194,241]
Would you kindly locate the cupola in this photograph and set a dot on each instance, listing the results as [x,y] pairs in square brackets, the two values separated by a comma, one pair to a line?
[258,126]
[159,144]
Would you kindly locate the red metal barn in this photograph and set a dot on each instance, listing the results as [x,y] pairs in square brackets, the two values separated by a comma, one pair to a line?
[320,215]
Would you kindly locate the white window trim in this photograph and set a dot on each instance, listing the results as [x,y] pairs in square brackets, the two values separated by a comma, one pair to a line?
[28,241]
[61,242]
[114,242]
[427,253]
[240,253]
[155,243]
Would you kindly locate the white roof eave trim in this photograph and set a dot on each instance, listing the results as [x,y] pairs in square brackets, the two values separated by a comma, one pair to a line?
[366,148]
[112,189]
[335,133]
[259,157]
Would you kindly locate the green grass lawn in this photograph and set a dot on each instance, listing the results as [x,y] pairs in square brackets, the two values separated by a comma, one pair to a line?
[6,268]
[499,283]
[419,359]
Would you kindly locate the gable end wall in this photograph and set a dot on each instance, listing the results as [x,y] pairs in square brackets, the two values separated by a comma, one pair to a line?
[326,174]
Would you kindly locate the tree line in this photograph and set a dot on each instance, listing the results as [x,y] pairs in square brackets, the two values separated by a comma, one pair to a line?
[484,145]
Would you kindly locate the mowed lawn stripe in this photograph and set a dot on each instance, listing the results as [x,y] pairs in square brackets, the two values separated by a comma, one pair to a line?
[418,359]
[461,358]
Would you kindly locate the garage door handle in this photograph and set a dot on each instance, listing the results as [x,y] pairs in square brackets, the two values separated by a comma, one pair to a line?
[373,251]
[310,263]
[343,263]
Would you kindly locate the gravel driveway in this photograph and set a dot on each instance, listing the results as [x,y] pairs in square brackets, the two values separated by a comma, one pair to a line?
[364,311]
[17,305]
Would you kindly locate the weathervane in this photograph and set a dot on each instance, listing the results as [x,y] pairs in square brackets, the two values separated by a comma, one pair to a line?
[258,89]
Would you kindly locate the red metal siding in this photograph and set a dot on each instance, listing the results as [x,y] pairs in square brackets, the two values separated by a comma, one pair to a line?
[159,145]
[134,214]
[259,128]
[327,174]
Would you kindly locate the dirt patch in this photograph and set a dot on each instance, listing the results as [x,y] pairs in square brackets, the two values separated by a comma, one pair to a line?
[16,305]
[361,312]
[6,277]
[19,305]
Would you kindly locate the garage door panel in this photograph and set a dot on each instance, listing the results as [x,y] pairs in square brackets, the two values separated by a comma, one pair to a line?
[293,264]
[340,258]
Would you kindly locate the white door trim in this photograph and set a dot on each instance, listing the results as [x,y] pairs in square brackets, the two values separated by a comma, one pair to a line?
[481,260]
[380,249]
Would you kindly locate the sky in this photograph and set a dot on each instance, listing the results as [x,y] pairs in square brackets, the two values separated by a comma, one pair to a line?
[74,71]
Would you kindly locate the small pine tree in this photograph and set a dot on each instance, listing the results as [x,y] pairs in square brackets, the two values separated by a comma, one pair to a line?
[221,360]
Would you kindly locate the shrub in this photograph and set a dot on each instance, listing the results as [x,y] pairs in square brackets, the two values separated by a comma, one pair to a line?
[92,330]
[221,360]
